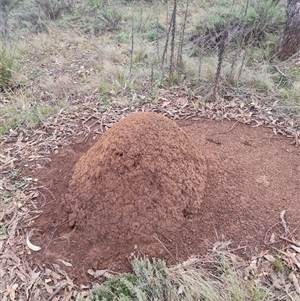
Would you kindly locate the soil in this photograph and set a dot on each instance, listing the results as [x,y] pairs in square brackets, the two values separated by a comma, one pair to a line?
[139,181]
[250,177]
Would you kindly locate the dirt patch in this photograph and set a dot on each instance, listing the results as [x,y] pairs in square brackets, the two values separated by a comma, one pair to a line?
[252,176]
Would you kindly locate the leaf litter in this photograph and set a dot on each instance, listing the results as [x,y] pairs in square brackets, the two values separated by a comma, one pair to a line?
[20,281]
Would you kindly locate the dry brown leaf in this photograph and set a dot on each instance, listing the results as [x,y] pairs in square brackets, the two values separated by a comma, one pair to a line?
[221,245]
[48,288]
[52,274]
[272,238]
[67,296]
[100,273]
[297,249]
[11,292]
[21,276]
[58,269]
[295,280]
[67,264]
[283,223]
[270,257]
[70,282]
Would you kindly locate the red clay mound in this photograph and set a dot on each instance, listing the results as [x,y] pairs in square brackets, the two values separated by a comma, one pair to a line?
[252,176]
[139,181]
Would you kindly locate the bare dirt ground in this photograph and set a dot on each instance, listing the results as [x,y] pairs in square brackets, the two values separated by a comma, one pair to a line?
[253,176]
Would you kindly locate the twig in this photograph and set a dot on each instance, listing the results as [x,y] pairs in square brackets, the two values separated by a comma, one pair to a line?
[281,73]
[164,247]
[157,35]
[166,46]
[200,59]
[62,285]
[283,77]
[283,223]
[231,128]
[34,188]
[290,241]
[50,241]
[265,240]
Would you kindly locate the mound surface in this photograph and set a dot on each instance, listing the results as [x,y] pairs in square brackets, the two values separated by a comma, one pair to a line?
[139,181]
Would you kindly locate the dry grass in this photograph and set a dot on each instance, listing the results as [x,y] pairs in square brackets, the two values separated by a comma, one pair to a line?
[125,59]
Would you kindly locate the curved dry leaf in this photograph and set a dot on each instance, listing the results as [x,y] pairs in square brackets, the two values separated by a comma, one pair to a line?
[99,273]
[103,273]
[67,264]
[32,246]
[270,257]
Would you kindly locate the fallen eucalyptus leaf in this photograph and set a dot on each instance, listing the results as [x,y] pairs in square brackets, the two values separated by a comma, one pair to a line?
[103,273]
[270,257]
[31,246]
[67,264]
[272,239]
[297,249]
[99,273]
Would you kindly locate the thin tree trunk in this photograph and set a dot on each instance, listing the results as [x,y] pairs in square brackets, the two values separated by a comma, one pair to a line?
[289,43]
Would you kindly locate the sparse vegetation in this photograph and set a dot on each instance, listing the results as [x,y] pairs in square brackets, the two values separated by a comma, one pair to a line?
[119,49]
[195,279]
[21,112]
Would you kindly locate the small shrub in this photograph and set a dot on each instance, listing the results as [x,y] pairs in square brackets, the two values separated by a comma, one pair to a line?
[8,5]
[32,20]
[251,25]
[6,8]
[279,266]
[151,36]
[187,281]
[110,19]
[95,4]
[117,288]
[52,9]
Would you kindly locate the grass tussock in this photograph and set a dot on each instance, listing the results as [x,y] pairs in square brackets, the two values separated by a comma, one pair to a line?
[22,112]
[217,278]
[8,69]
